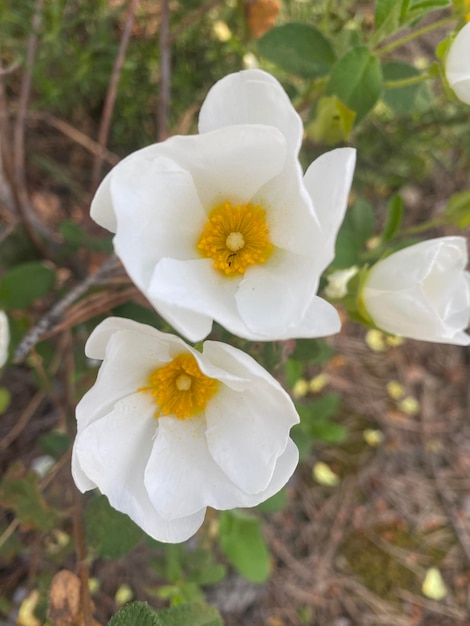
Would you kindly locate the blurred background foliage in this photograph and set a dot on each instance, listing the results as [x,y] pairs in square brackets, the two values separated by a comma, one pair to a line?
[352,86]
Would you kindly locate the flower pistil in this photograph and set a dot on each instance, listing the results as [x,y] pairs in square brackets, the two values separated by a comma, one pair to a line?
[235,237]
[179,388]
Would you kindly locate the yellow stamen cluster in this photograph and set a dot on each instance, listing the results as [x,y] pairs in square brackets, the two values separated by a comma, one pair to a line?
[236,237]
[180,388]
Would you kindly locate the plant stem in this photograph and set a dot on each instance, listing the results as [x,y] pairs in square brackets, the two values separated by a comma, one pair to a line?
[405,82]
[413,35]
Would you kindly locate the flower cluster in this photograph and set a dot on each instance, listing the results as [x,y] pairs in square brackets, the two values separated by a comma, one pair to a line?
[224,226]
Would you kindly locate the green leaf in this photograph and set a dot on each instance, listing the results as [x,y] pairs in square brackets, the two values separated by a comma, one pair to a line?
[312,351]
[135,614]
[242,542]
[320,408]
[401,99]
[395,211]
[22,285]
[54,443]
[299,49]
[457,211]
[333,121]
[330,432]
[357,80]
[357,228]
[192,614]
[274,503]
[111,534]
[387,16]
[417,9]
[5,399]
[75,237]
[20,492]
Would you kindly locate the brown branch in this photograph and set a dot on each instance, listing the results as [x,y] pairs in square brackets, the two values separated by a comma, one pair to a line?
[165,71]
[25,210]
[111,94]
[55,314]
[77,136]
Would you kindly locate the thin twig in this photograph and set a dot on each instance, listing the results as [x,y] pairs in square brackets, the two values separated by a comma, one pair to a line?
[23,202]
[77,136]
[55,314]
[191,18]
[111,94]
[165,71]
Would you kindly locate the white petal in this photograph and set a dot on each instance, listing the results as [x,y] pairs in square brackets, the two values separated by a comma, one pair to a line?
[113,453]
[4,338]
[458,64]
[251,97]
[158,214]
[247,432]
[194,286]
[292,223]
[328,181]
[182,477]
[320,320]
[272,297]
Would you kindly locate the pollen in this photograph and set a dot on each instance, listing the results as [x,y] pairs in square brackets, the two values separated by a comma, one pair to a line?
[179,388]
[236,237]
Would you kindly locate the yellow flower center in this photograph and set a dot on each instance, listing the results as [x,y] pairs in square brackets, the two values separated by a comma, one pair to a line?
[235,237]
[180,388]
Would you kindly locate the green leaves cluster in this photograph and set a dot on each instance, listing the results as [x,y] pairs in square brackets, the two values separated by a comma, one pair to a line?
[195,614]
[350,68]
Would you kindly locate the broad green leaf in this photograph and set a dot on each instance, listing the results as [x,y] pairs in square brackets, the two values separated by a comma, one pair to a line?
[357,228]
[401,99]
[111,534]
[242,542]
[320,409]
[330,432]
[417,9]
[22,285]
[54,443]
[135,614]
[357,80]
[75,237]
[300,49]
[20,492]
[395,211]
[293,370]
[387,16]
[5,399]
[192,614]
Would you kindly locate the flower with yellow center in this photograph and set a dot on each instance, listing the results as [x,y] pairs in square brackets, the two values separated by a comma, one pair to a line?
[223,226]
[167,431]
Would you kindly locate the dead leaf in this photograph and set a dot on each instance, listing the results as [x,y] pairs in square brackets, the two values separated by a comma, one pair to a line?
[65,607]
[261,16]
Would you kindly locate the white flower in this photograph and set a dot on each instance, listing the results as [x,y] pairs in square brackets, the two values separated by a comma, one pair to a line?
[4,338]
[422,292]
[458,64]
[167,431]
[223,226]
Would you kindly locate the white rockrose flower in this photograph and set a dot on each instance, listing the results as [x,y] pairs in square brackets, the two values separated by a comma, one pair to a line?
[422,292]
[167,431]
[223,225]
[4,338]
[458,65]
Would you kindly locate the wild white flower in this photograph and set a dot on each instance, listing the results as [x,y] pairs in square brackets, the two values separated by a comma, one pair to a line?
[4,338]
[458,64]
[223,226]
[167,431]
[422,292]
